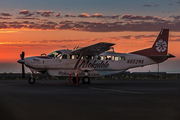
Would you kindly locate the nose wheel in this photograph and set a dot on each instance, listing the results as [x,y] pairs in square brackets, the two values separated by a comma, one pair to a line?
[32,79]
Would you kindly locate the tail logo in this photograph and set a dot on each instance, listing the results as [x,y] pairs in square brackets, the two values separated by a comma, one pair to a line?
[161,46]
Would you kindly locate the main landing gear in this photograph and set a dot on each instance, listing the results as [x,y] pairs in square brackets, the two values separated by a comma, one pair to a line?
[85,79]
[31,79]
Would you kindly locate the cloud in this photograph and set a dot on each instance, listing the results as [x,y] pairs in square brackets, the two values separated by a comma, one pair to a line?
[27,22]
[96,15]
[32,18]
[84,15]
[69,15]
[170,4]
[24,12]
[139,17]
[31,46]
[45,13]
[58,14]
[115,23]
[43,19]
[41,43]
[147,5]
[178,2]
[90,26]
[2,17]
[27,13]
[56,43]
[39,11]
[6,14]
[7,31]
[175,17]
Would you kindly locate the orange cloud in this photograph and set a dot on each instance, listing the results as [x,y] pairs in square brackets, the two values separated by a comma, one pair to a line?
[84,15]
[25,12]
[7,31]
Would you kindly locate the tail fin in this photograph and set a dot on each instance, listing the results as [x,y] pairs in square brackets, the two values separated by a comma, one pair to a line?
[158,52]
[160,46]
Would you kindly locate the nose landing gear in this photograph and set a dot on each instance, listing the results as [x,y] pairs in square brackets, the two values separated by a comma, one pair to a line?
[31,79]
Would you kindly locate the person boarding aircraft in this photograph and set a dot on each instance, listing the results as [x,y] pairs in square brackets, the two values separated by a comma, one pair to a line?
[96,60]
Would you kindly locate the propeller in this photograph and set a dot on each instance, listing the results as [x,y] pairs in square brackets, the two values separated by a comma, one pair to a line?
[21,61]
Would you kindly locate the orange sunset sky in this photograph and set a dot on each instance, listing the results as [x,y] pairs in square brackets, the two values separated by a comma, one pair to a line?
[43,27]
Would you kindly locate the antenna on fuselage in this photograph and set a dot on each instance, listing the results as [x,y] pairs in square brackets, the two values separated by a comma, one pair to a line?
[126,51]
[74,48]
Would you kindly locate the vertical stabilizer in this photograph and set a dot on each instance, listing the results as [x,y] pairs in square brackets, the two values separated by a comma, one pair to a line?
[158,52]
[160,46]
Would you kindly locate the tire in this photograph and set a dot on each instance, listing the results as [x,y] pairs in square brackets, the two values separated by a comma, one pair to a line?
[74,79]
[31,80]
[86,79]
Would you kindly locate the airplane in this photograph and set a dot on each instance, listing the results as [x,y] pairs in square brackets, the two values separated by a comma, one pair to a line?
[96,60]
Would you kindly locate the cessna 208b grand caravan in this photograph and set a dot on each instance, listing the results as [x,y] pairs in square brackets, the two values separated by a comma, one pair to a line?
[96,60]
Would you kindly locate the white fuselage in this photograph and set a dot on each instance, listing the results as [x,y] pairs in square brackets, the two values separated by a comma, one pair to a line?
[107,63]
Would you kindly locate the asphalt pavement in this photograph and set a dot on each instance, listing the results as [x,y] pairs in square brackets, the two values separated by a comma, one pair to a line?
[100,100]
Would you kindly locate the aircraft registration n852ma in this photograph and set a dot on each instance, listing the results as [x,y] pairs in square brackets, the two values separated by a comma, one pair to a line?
[96,60]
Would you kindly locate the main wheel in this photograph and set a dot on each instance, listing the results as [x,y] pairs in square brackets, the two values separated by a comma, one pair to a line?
[86,79]
[74,79]
[31,80]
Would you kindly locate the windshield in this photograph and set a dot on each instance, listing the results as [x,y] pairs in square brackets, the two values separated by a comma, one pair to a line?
[55,54]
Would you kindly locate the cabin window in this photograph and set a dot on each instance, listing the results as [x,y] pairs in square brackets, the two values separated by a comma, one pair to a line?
[77,56]
[122,58]
[112,58]
[100,57]
[89,57]
[72,56]
[115,58]
[108,58]
[64,56]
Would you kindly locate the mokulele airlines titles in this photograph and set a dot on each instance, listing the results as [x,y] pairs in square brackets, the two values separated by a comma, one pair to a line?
[94,64]
[95,60]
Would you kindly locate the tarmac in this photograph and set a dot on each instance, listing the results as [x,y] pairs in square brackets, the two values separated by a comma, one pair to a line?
[100,100]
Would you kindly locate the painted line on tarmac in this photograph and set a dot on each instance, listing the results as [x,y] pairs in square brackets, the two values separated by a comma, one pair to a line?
[121,91]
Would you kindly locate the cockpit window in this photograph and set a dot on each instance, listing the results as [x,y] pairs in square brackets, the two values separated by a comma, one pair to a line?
[55,54]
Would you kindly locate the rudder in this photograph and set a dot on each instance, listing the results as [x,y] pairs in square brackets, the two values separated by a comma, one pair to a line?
[160,46]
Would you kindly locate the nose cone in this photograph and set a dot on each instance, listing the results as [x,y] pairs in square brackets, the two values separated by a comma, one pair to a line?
[20,61]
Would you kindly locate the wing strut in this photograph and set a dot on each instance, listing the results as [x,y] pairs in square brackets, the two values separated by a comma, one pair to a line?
[78,60]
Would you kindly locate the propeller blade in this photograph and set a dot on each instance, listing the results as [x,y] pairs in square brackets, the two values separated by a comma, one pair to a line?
[22,62]
[22,56]
[23,71]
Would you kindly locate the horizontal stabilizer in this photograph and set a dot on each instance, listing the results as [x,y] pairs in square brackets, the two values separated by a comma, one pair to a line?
[161,58]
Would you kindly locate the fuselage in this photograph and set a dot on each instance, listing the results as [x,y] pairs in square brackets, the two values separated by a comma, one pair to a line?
[59,62]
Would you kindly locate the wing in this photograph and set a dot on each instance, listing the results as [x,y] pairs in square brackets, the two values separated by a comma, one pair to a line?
[94,49]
